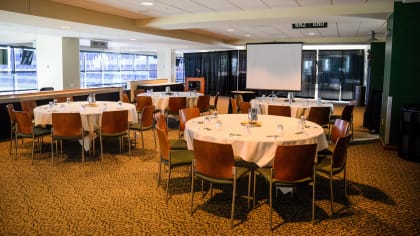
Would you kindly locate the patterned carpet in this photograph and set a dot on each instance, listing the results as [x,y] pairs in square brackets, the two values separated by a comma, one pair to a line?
[119,196]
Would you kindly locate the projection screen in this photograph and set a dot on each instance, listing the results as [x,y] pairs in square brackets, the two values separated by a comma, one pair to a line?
[274,66]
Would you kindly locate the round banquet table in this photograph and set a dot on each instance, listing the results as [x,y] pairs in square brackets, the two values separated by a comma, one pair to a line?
[299,107]
[257,143]
[161,99]
[91,115]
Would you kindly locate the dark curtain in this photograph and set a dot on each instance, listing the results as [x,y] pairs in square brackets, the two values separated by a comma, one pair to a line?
[219,70]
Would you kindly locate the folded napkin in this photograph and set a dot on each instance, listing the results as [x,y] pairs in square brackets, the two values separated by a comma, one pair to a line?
[254,123]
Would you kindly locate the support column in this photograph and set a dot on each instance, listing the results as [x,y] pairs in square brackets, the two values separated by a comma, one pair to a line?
[166,65]
[58,62]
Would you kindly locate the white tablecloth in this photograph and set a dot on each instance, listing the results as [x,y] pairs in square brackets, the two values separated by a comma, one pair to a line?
[298,107]
[161,99]
[260,144]
[90,115]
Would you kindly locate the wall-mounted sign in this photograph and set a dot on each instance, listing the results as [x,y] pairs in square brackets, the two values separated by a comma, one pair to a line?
[310,25]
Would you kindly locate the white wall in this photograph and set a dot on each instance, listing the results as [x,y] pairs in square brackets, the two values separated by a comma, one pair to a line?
[71,63]
[166,65]
[49,61]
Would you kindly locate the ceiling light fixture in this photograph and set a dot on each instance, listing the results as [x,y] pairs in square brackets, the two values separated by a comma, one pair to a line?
[247,35]
[147,3]
[65,27]
[311,33]
[230,30]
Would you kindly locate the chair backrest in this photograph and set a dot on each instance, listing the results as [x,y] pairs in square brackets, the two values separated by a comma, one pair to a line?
[161,123]
[186,114]
[10,108]
[203,102]
[138,91]
[279,110]
[213,159]
[114,122]
[176,103]
[347,113]
[320,115]
[24,122]
[339,129]
[216,100]
[163,143]
[147,117]
[143,101]
[28,106]
[124,97]
[339,155]
[234,104]
[244,107]
[66,124]
[294,162]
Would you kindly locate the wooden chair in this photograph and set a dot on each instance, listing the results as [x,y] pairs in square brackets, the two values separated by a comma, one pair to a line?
[203,103]
[124,97]
[114,124]
[335,164]
[10,108]
[146,122]
[338,130]
[175,144]
[174,105]
[26,129]
[293,165]
[320,115]
[216,100]
[67,126]
[171,158]
[185,115]
[234,104]
[214,163]
[28,106]
[244,107]
[346,114]
[279,110]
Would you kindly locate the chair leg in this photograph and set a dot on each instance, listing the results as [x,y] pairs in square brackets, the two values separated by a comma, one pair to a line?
[313,194]
[52,149]
[129,145]
[154,136]
[233,200]
[331,193]
[33,146]
[11,143]
[271,203]
[345,183]
[255,183]
[192,194]
[167,185]
[100,143]
[249,189]
[160,170]
[142,139]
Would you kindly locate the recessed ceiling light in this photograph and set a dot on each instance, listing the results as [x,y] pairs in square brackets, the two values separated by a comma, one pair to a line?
[311,33]
[147,3]
[230,30]
[133,39]
[247,35]
[65,27]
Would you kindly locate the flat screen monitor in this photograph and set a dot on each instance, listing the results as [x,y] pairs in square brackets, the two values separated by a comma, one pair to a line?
[274,66]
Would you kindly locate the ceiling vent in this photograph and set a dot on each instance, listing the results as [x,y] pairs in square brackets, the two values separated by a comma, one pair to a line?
[98,44]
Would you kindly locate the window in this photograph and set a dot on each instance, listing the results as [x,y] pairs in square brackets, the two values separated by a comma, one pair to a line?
[17,69]
[99,69]
[180,78]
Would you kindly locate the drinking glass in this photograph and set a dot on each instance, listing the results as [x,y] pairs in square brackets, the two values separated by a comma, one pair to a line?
[280,130]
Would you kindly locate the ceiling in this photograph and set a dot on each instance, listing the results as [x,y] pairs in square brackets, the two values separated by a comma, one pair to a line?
[186,25]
